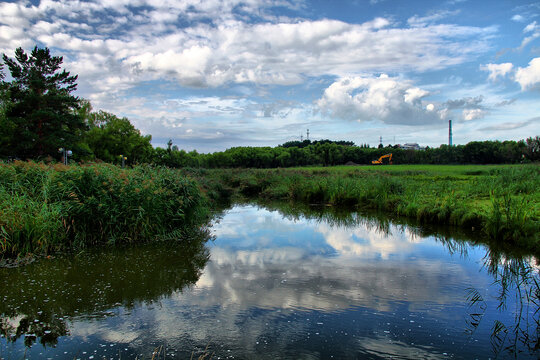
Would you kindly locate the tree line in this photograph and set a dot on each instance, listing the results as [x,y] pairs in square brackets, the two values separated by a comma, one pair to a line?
[40,115]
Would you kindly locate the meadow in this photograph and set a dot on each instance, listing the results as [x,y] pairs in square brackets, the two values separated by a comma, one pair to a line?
[500,201]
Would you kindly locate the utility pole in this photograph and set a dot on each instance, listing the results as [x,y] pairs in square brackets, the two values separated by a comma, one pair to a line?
[301,137]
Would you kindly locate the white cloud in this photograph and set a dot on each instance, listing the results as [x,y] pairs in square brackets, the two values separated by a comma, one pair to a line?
[497,70]
[518,18]
[473,114]
[434,17]
[141,46]
[529,77]
[383,98]
[533,29]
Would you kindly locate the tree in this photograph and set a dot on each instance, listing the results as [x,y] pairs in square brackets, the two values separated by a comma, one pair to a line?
[533,148]
[41,115]
[111,136]
[4,128]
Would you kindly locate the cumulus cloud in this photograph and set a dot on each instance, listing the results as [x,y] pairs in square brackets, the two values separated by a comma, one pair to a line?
[529,77]
[472,108]
[497,70]
[382,98]
[138,45]
[473,114]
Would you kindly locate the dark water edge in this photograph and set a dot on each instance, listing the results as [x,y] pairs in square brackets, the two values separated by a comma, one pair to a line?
[291,296]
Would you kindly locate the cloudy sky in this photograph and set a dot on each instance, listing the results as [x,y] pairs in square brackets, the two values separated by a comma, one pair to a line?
[213,74]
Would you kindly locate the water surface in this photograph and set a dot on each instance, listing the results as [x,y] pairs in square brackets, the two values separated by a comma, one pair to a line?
[275,286]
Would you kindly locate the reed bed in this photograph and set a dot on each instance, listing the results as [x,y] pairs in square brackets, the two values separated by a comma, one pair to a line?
[45,208]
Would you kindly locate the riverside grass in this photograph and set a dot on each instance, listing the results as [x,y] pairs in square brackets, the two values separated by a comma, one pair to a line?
[46,208]
[502,201]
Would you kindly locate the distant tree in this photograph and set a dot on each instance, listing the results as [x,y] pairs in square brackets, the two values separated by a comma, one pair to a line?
[296,143]
[533,148]
[41,115]
[114,136]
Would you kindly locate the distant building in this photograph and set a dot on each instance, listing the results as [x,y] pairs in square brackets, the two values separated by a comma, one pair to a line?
[411,146]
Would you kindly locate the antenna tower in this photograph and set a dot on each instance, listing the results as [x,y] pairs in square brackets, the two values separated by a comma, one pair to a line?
[308,134]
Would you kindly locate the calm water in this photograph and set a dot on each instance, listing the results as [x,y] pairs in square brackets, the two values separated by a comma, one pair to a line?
[304,285]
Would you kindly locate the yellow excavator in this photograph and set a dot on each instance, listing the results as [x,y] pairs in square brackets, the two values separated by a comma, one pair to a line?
[380,160]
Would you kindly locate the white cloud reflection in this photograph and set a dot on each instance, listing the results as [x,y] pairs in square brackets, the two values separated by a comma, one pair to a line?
[323,267]
[251,286]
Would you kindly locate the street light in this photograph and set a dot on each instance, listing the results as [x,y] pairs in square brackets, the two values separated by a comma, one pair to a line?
[65,153]
[124,158]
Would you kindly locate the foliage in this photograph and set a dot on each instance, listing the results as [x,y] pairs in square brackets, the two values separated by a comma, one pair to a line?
[44,208]
[330,153]
[501,202]
[533,148]
[110,136]
[40,110]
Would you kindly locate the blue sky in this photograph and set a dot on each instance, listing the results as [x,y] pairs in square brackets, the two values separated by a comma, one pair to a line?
[213,74]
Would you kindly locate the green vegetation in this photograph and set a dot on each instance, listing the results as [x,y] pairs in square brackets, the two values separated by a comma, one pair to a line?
[47,208]
[332,153]
[39,115]
[53,207]
[503,202]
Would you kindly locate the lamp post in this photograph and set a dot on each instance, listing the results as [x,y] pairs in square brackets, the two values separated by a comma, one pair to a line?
[65,153]
[124,158]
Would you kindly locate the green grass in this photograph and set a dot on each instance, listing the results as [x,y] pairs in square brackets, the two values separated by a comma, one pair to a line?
[48,208]
[502,201]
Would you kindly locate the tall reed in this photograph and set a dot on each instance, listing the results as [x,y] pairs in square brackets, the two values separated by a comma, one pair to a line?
[45,208]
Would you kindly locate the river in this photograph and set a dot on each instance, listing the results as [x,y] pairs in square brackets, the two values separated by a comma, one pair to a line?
[278,282]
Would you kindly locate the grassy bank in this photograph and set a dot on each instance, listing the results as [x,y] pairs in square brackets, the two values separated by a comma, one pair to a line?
[47,208]
[500,201]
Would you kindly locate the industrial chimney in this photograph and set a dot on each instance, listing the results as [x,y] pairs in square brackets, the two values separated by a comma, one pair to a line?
[449,132]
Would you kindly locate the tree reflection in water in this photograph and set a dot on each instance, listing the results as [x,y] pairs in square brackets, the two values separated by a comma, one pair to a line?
[40,299]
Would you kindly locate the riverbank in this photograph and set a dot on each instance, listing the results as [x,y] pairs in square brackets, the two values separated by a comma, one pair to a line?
[501,201]
[48,208]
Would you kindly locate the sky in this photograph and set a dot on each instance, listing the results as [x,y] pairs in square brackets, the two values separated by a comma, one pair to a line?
[212,75]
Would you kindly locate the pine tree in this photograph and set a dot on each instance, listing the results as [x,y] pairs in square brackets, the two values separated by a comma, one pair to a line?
[41,114]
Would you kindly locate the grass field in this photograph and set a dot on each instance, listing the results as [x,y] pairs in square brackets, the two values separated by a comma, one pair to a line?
[502,201]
